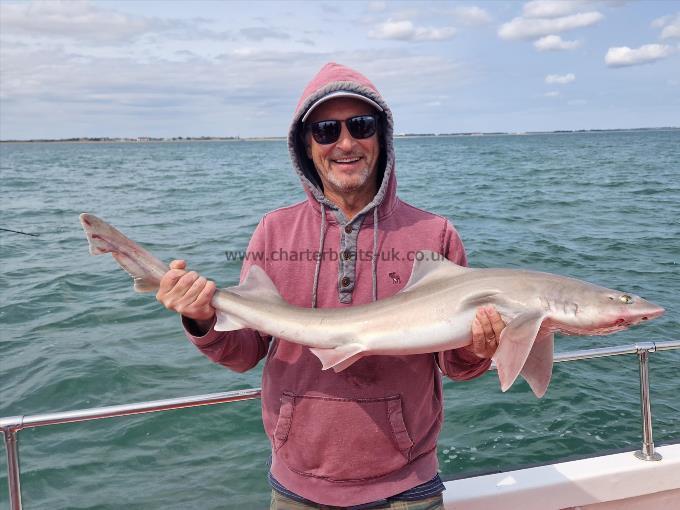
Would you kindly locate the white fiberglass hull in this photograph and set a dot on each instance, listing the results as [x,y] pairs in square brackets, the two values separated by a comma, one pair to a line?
[619,481]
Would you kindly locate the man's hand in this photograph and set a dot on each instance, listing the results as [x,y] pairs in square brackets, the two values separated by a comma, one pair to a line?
[486,332]
[187,293]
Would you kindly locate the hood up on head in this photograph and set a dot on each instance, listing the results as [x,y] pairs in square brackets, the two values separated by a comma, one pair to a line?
[334,80]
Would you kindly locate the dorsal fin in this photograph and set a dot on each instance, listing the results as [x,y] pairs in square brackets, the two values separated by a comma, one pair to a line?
[257,285]
[429,265]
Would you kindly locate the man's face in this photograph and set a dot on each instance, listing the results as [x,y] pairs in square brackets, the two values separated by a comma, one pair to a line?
[347,165]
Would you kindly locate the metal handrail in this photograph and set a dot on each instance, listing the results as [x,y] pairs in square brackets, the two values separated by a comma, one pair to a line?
[41,420]
[11,425]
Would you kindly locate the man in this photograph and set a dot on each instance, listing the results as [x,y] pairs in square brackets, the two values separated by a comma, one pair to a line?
[366,435]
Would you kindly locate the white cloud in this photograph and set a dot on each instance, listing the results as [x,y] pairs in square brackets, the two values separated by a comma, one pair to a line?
[529,28]
[551,8]
[669,25]
[405,31]
[624,56]
[71,19]
[560,79]
[671,31]
[471,15]
[89,24]
[552,93]
[191,95]
[555,43]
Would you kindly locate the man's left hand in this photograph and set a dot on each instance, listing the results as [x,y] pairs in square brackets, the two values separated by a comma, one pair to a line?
[486,332]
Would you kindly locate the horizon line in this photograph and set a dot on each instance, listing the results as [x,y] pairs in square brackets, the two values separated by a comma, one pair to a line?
[141,139]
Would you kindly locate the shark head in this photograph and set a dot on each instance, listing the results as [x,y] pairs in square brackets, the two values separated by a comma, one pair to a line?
[601,311]
[627,310]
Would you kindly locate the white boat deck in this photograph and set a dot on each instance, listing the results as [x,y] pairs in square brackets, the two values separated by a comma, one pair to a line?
[619,481]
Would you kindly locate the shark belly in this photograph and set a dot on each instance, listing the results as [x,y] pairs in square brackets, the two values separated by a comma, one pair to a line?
[433,334]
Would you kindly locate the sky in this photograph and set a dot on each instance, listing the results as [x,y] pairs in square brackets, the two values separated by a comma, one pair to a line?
[209,68]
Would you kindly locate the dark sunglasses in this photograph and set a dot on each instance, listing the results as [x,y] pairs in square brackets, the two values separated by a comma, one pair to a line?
[328,131]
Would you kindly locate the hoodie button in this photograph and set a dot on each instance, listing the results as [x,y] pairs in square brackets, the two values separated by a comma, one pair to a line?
[345,281]
[348,229]
[346,254]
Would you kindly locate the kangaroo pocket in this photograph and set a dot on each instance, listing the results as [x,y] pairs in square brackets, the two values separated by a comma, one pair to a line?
[342,439]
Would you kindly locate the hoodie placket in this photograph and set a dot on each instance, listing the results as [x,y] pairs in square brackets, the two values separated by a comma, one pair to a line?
[349,237]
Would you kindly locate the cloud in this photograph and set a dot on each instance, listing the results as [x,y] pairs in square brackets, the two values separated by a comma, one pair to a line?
[552,93]
[89,24]
[560,79]
[669,25]
[551,8]
[529,28]
[624,56]
[471,15]
[555,43]
[71,19]
[262,33]
[189,93]
[406,31]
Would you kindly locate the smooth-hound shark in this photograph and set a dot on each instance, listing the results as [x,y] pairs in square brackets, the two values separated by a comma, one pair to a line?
[432,313]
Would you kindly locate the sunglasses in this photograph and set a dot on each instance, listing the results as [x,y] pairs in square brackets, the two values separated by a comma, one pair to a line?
[328,131]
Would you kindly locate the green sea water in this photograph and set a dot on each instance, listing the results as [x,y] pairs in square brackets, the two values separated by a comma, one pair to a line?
[604,207]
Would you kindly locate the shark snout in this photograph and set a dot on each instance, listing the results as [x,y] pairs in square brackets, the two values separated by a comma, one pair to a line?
[646,311]
[655,312]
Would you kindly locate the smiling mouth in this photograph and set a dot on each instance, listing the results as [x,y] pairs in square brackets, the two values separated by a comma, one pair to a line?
[346,161]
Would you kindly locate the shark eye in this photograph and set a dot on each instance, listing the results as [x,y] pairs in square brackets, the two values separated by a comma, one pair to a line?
[626,299]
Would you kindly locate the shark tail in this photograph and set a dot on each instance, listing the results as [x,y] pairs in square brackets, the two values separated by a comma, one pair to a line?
[145,269]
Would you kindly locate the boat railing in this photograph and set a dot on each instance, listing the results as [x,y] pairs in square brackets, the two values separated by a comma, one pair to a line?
[12,425]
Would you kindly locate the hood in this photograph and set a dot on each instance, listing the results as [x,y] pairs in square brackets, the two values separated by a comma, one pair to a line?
[331,78]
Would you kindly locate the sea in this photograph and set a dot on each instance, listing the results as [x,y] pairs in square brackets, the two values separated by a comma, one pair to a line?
[598,206]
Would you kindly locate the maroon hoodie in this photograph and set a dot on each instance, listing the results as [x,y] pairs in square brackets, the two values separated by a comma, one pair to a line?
[370,431]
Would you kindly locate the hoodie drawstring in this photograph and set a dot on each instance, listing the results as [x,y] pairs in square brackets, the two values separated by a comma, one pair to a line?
[374,261]
[322,236]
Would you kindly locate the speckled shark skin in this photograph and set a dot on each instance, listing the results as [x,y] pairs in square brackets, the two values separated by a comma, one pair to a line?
[433,313]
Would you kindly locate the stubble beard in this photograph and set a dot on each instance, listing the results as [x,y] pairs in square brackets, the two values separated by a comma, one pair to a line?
[351,183]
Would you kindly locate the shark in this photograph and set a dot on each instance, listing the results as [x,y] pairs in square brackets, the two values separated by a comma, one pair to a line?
[432,313]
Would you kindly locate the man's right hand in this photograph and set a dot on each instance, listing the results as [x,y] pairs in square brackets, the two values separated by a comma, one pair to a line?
[188,294]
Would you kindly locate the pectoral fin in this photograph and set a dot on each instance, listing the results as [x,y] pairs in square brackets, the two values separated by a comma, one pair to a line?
[515,345]
[340,357]
[537,369]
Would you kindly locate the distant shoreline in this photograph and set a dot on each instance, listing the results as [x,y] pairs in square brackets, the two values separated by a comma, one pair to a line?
[148,139]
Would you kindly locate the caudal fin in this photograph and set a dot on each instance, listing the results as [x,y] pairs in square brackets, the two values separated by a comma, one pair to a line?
[145,269]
